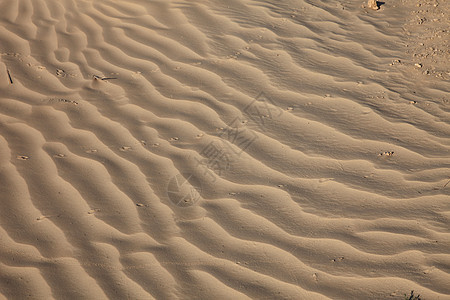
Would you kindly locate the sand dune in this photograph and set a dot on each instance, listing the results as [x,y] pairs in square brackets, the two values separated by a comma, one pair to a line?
[224,149]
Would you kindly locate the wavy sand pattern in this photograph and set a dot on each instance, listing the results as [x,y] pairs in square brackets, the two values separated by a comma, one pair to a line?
[245,149]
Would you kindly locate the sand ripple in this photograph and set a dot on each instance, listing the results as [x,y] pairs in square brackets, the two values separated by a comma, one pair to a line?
[219,150]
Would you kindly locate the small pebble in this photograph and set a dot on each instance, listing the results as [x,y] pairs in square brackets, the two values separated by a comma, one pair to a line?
[386,153]
[372,4]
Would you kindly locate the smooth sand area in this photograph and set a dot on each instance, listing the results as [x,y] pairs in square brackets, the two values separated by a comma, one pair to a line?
[224,149]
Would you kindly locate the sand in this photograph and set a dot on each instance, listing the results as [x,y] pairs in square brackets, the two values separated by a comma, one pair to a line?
[245,149]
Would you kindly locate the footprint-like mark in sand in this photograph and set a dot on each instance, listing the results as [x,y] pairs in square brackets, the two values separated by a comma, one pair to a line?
[184,190]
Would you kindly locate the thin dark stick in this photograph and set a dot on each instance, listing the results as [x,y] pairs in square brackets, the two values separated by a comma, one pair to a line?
[9,75]
[103,78]
[446,184]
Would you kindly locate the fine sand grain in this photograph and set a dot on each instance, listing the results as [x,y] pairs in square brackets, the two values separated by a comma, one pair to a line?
[245,149]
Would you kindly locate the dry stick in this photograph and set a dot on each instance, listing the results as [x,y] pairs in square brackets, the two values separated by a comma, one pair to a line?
[9,75]
[446,184]
[103,78]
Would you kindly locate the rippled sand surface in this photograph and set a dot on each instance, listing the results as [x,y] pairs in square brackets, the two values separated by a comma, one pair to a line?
[242,149]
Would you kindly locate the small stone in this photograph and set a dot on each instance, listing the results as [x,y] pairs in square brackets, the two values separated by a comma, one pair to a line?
[386,153]
[418,65]
[338,259]
[60,73]
[372,4]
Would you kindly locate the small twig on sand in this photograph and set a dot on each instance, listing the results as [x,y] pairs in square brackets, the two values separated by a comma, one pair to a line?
[9,76]
[446,184]
[103,78]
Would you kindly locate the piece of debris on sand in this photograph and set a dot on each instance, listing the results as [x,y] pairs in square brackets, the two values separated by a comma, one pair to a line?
[373,4]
